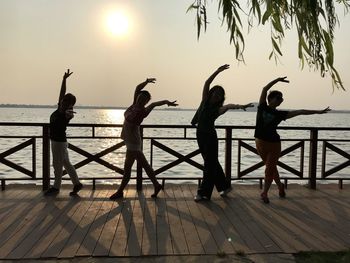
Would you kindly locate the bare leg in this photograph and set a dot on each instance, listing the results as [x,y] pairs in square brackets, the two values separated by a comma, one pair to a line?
[129,161]
[150,172]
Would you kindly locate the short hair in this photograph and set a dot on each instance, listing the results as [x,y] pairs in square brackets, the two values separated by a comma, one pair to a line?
[273,94]
[146,94]
[217,88]
[69,98]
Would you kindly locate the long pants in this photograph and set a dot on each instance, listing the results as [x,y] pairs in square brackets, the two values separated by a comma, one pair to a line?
[213,173]
[269,152]
[60,159]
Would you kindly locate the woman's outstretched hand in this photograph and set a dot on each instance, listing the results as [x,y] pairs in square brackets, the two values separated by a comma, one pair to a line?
[151,80]
[249,105]
[325,110]
[283,79]
[172,103]
[67,74]
[223,67]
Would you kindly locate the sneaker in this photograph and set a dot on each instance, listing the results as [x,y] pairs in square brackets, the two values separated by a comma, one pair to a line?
[116,196]
[264,198]
[281,191]
[52,191]
[76,189]
[198,198]
[225,192]
[157,190]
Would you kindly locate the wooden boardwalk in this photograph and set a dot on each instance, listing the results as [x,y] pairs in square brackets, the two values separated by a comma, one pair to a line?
[33,226]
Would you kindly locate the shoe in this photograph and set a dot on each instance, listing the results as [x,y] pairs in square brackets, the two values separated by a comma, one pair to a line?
[264,198]
[157,190]
[76,189]
[116,196]
[198,198]
[225,192]
[52,191]
[281,191]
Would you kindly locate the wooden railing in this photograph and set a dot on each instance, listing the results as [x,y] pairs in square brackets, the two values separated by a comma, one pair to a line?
[312,143]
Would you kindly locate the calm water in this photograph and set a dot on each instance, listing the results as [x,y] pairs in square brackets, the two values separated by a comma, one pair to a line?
[102,116]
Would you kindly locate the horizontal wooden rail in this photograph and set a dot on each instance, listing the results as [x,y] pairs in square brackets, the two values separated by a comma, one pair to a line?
[226,135]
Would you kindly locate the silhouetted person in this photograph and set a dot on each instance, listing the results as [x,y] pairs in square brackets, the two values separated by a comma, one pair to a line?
[268,142]
[134,116]
[59,120]
[210,109]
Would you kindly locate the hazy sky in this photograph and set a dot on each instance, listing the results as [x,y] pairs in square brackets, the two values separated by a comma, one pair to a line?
[40,39]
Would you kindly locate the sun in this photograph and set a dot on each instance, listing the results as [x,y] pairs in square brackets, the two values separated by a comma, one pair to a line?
[117,23]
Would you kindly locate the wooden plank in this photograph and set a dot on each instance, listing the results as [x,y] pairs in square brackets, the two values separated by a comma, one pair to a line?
[223,216]
[18,231]
[134,243]
[10,201]
[214,226]
[90,241]
[287,228]
[305,228]
[53,229]
[119,243]
[62,226]
[149,231]
[33,220]
[282,236]
[176,226]
[189,229]
[49,216]
[77,237]
[164,242]
[242,222]
[207,240]
[105,240]
[22,204]
[59,242]
[327,218]
[286,211]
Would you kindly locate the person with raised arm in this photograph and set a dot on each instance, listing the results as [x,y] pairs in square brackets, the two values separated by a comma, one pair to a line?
[131,135]
[267,140]
[59,120]
[211,107]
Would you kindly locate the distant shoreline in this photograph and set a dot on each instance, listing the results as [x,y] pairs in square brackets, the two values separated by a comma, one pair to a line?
[122,108]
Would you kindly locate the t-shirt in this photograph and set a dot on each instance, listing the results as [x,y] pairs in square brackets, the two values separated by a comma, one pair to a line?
[205,116]
[58,126]
[131,128]
[135,114]
[267,120]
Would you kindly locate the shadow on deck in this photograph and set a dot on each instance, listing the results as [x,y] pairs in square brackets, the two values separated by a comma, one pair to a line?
[33,226]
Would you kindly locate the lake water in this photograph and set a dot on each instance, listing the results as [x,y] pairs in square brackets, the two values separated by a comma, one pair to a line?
[161,158]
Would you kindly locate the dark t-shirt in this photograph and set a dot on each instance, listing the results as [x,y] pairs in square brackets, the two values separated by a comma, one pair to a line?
[58,126]
[205,116]
[267,120]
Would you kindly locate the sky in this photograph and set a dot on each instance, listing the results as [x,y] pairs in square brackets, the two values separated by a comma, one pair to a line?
[40,39]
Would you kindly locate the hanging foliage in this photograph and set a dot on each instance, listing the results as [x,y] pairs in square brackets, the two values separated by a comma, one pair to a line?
[314,21]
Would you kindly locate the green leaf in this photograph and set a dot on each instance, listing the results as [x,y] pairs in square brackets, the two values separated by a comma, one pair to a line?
[199,24]
[303,44]
[329,48]
[276,47]
[193,6]
[267,13]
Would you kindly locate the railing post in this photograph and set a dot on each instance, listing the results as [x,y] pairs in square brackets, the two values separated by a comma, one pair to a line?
[3,184]
[313,158]
[139,167]
[46,157]
[228,154]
